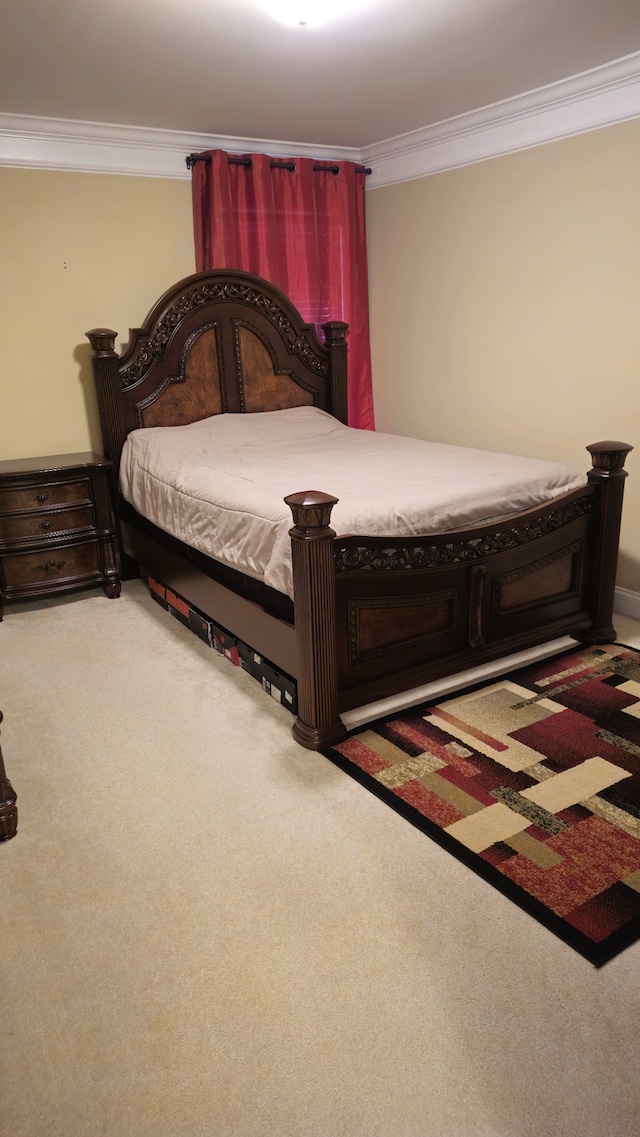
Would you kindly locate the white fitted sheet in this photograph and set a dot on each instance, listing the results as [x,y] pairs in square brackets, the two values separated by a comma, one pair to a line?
[218,484]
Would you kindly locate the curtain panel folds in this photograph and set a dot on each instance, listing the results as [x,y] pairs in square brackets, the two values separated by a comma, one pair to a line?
[303,229]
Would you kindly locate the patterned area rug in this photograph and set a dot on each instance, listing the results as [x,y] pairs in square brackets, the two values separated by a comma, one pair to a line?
[533,781]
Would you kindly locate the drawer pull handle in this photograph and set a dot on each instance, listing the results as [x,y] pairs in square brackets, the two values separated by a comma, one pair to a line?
[42,497]
[51,567]
[45,524]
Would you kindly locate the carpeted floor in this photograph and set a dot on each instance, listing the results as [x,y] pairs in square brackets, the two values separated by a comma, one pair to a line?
[206,931]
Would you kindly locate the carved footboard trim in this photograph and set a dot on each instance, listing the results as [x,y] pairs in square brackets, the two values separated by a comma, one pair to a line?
[380,554]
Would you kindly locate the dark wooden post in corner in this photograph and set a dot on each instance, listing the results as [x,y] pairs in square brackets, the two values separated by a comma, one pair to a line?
[318,723]
[608,474]
[113,422]
[107,381]
[335,332]
[8,807]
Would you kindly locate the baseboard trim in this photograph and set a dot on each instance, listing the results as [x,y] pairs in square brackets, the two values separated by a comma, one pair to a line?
[627,603]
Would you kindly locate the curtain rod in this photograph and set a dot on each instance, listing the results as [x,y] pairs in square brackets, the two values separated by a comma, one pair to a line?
[191,159]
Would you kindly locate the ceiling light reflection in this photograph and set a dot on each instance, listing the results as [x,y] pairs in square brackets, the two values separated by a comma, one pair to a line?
[310,13]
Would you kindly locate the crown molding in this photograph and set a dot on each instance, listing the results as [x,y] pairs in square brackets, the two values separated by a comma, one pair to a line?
[106,148]
[601,97]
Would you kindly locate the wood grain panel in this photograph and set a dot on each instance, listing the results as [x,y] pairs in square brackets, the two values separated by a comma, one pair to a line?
[263,389]
[51,565]
[194,394]
[556,577]
[43,494]
[44,524]
[379,626]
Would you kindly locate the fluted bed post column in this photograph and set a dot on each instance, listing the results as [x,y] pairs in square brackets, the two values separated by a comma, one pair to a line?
[318,723]
[104,361]
[608,474]
[114,424]
[335,332]
[8,807]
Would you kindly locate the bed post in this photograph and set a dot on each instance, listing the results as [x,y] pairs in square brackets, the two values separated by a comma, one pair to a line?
[113,422]
[608,475]
[318,723]
[335,332]
[8,807]
[107,381]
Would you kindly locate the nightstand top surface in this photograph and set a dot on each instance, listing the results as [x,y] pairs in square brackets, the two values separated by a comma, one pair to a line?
[51,462]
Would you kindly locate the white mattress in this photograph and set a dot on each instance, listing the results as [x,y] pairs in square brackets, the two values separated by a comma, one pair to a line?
[218,484]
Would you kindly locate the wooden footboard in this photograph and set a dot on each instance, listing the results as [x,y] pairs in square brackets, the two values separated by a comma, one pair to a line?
[375,616]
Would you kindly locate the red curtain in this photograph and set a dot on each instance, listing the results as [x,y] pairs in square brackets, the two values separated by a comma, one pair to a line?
[303,230]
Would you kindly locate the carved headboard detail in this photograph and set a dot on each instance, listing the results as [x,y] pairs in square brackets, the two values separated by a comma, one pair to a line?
[195,392]
[218,341]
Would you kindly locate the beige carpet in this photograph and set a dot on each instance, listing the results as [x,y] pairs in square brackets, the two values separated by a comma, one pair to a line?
[206,931]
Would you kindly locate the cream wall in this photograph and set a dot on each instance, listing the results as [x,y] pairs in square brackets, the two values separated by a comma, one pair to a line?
[505,306]
[79,251]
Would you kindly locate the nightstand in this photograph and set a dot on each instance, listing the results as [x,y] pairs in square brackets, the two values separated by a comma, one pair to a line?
[57,527]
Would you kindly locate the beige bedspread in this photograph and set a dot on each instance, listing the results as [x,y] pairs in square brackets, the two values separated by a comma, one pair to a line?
[218,485]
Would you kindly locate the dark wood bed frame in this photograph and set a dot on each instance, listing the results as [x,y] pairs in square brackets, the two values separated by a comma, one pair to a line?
[372,616]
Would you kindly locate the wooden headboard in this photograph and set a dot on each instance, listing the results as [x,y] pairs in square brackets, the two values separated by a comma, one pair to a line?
[218,341]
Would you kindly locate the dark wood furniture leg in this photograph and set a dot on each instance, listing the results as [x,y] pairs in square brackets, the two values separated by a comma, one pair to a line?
[8,807]
[318,723]
[608,475]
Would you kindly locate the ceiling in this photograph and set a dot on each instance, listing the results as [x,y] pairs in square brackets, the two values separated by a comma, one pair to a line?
[225,67]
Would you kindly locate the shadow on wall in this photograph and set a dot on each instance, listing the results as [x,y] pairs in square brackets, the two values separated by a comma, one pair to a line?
[82,356]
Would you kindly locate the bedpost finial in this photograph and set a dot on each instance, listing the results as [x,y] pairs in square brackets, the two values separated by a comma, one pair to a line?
[335,334]
[335,331]
[311,509]
[609,456]
[102,340]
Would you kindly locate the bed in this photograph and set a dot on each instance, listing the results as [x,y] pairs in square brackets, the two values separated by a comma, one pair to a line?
[363,615]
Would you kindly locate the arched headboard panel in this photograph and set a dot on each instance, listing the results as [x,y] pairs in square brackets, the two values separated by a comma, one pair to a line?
[218,341]
[194,392]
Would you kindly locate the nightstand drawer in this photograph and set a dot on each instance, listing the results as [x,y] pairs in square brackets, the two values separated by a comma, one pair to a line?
[43,495]
[51,565]
[44,524]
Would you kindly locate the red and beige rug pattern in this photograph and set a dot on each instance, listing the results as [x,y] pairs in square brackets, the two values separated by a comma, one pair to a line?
[533,781]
